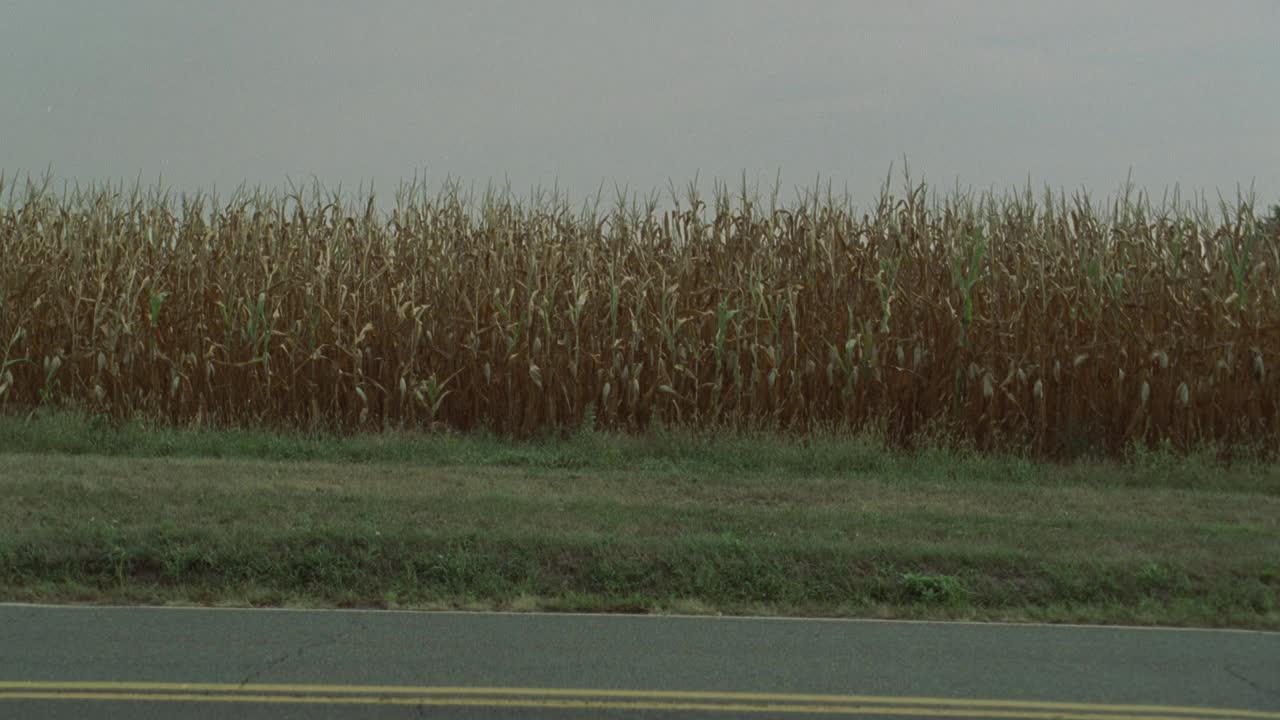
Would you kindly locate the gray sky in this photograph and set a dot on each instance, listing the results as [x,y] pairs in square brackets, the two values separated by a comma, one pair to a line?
[1072,94]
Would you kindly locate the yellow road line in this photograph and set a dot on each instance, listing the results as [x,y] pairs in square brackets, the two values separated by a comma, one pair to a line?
[569,704]
[920,706]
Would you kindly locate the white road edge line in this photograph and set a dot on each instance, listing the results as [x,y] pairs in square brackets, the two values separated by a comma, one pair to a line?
[639,616]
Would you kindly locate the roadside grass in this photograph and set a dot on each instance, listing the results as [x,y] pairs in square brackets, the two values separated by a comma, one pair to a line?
[666,522]
[673,452]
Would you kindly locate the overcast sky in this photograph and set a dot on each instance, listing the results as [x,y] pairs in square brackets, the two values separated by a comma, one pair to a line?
[1073,94]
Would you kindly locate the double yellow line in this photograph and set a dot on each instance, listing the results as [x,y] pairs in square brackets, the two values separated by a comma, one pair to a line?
[605,700]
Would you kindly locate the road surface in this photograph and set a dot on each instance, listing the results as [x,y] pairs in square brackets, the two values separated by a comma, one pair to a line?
[70,662]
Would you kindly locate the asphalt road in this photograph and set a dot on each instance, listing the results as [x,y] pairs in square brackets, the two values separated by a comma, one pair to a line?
[63,662]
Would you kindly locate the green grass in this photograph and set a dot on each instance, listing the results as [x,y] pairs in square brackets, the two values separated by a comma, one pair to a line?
[672,452]
[664,522]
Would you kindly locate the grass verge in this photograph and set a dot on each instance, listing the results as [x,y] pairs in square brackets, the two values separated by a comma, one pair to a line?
[665,523]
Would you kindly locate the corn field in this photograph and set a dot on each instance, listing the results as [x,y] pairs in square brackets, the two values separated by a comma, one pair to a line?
[1039,321]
